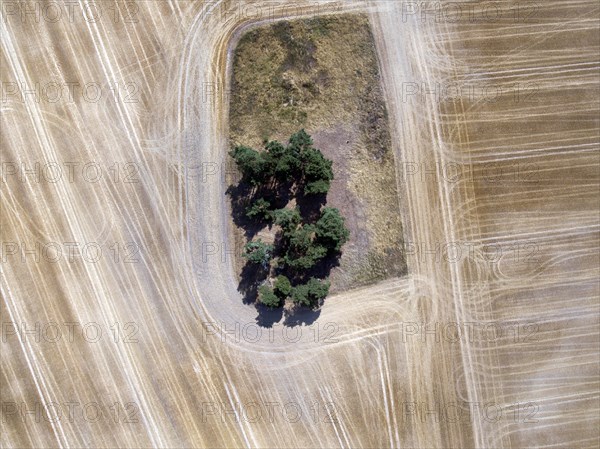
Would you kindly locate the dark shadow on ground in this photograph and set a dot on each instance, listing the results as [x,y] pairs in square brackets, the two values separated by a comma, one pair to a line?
[250,278]
[321,270]
[244,195]
[297,316]
[279,194]
[267,316]
[301,316]
[239,195]
[310,206]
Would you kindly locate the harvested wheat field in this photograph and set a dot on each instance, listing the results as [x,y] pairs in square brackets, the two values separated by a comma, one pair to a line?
[122,323]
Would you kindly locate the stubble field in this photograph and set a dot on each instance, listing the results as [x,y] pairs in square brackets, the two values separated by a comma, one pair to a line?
[121,322]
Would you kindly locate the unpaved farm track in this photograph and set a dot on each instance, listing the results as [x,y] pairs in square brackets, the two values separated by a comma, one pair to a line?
[180,376]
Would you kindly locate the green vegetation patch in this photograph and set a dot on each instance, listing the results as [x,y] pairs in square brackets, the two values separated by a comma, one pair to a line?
[309,236]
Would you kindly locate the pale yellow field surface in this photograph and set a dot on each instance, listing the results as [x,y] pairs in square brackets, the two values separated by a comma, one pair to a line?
[122,326]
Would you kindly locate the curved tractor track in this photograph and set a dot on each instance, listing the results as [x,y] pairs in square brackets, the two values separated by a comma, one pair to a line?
[177,355]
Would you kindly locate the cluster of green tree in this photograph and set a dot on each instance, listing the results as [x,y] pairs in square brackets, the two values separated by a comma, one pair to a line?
[306,244]
[300,244]
[310,294]
[297,160]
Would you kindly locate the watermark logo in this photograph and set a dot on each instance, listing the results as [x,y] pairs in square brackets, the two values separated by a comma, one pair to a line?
[455,332]
[211,90]
[457,412]
[253,333]
[486,173]
[457,252]
[210,171]
[70,332]
[69,11]
[68,92]
[242,11]
[71,252]
[69,171]
[72,412]
[219,251]
[253,412]
[477,12]
[423,92]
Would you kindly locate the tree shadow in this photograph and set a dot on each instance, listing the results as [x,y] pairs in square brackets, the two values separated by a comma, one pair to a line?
[280,246]
[320,270]
[310,206]
[267,316]
[250,278]
[240,196]
[301,315]
[297,316]
[244,195]
[278,194]
[323,268]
